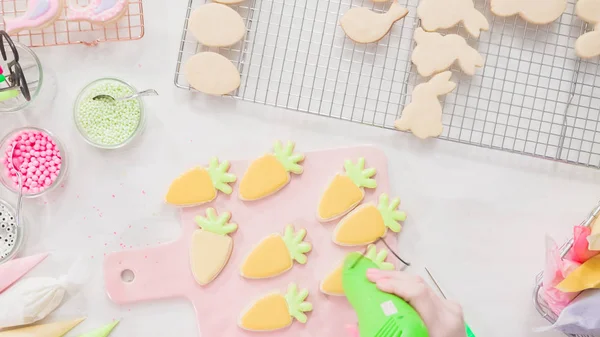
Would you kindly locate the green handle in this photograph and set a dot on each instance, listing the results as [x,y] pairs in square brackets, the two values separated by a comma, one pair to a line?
[379,314]
[469,331]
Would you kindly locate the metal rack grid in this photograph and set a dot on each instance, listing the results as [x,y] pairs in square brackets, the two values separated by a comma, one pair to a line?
[62,32]
[533,96]
[538,301]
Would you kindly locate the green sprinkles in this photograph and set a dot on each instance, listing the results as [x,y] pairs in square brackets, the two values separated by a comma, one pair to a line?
[107,122]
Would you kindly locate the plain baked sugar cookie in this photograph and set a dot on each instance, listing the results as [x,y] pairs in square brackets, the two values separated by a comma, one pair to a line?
[362,25]
[588,44]
[435,53]
[216,25]
[211,73]
[532,11]
[442,14]
[423,116]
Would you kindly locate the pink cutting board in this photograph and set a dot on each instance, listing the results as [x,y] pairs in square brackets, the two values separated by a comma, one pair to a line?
[163,271]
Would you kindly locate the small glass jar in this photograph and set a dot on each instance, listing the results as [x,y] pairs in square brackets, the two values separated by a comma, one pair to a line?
[32,69]
[4,174]
[87,94]
[11,235]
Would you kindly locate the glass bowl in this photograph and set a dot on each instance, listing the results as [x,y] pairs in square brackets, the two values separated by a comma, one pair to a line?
[32,68]
[11,236]
[6,146]
[87,94]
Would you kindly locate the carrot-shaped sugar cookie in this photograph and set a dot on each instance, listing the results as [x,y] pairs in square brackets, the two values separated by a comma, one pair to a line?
[271,172]
[276,254]
[332,284]
[211,245]
[369,222]
[199,185]
[346,190]
[276,311]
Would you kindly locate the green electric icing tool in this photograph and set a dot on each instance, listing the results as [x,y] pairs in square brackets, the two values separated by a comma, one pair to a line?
[379,314]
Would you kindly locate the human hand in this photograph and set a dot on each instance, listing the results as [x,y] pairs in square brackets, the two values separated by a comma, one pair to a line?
[442,317]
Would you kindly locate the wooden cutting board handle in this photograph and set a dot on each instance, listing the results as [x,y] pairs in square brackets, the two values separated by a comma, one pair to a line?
[158,272]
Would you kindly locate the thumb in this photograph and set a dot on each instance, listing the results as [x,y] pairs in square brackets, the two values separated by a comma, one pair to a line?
[352,330]
[411,289]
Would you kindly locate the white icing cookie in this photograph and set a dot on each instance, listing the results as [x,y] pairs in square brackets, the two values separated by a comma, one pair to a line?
[216,25]
[365,26]
[39,14]
[423,116]
[101,12]
[211,245]
[533,11]
[588,44]
[442,14]
[435,53]
[211,73]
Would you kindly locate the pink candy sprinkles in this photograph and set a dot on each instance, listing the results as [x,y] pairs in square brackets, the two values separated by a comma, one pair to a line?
[37,157]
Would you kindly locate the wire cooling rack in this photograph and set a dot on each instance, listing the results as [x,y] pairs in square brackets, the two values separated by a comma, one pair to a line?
[533,96]
[62,32]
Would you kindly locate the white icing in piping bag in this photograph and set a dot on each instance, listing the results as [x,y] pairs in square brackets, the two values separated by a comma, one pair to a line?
[34,298]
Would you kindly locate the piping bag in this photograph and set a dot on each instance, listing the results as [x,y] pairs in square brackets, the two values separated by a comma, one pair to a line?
[379,314]
[34,298]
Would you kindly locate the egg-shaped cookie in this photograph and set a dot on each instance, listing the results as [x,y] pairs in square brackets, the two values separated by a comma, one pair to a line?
[216,25]
[211,73]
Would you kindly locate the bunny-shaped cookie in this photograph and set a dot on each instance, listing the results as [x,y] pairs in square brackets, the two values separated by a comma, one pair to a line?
[533,11]
[442,14]
[423,116]
[435,53]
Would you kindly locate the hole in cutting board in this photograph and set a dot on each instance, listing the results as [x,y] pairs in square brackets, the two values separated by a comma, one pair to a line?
[127,276]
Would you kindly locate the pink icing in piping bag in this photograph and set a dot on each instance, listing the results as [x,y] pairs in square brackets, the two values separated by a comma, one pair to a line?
[12,271]
[39,14]
[98,11]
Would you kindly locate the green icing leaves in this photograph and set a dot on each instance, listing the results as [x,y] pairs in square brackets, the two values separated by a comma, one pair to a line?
[296,304]
[219,175]
[378,258]
[359,175]
[295,243]
[287,158]
[389,212]
[101,332]
[218,224]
